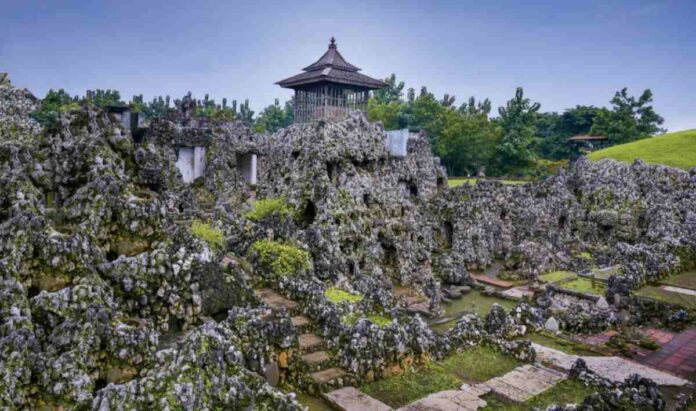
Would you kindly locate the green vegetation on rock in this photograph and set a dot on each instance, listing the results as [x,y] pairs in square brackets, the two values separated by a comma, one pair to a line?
[456,182]
[280,258]
[671,149]
[213,236]
[560,344]
[269,206]
[584,285]
[338,296]
[556,276]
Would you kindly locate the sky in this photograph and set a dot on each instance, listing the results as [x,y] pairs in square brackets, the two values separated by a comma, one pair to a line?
[563,53]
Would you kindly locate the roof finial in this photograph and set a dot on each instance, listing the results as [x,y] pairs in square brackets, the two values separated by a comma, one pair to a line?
[333,43]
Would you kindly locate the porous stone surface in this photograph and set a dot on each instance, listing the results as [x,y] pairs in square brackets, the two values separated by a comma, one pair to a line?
[111,298]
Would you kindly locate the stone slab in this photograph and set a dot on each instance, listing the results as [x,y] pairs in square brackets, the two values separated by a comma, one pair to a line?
[616,369]
[492,281]
[275,300]
[679,290]
[351,399]
[300,321]
[308,341]
[316,357]
[502,388]
[516,293]
[450,400]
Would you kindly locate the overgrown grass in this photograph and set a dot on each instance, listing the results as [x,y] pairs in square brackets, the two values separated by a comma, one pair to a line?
[268,206]
[657,293]
[684,280]
[584,285]
[280,258]
[402,389]
[477,364]
[338,296]
[672,149]
[473,302]
[557,276]
[565,392]
[213,236]
[456,182]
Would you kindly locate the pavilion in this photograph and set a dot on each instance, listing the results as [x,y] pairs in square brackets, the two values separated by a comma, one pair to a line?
[330,88]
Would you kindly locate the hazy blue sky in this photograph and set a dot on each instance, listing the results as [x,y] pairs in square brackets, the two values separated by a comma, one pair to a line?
[562,52]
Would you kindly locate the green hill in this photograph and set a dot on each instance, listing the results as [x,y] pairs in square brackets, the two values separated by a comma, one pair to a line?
[672,149]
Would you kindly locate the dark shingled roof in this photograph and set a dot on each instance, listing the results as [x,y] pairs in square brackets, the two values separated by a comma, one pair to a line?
[331,67]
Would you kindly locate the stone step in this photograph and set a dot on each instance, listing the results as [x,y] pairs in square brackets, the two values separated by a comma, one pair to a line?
[276,301]
[351,399]
[329,378]
[302,323]
[449,400]
[310,343]
[316,360]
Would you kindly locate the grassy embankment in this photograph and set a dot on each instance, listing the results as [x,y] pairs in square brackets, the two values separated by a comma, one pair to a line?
[671,149]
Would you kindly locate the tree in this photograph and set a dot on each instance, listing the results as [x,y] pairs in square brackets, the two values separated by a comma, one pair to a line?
[391,93]
[518,122]
[553,131]
[53,105]
[274,117]
[629,119]
[103,98]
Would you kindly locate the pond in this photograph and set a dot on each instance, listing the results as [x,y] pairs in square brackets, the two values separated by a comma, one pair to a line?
[472,302]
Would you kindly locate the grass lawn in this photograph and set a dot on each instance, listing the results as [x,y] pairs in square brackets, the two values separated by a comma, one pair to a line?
[657,293]
[475,364]
[459,181]
[684,280]
[565,392]
[557,276]
[672,149]
[560,344]
[584,285]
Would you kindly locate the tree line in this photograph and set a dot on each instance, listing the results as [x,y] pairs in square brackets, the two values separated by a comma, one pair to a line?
[520,141]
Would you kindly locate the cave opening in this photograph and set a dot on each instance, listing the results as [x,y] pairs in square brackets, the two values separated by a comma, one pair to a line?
[309,214]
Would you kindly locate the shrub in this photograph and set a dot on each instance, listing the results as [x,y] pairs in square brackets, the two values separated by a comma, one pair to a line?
[268,206]
[213,236]
[279,258]
[338,296]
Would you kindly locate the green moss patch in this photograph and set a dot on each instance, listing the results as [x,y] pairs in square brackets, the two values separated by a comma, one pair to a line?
[211,235]
[585,286]
[479,364]
[280,258]
[269,206]
[456,182]
[473,365]
[557,276]
[338,296]
[669,297]
[568,391]
[684,280]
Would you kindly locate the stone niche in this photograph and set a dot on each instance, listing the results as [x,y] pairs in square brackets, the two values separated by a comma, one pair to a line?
[397,142]
[190,162]
[246,166]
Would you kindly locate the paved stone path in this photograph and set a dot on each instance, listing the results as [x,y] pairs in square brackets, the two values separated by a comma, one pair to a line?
[351,399]
[677,355]
[616,369]
[516,293]
[679,290]
[450,400]
[525,382]
[492,281]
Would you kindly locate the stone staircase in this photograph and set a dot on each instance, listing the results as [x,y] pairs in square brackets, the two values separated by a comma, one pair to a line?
[323,375]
